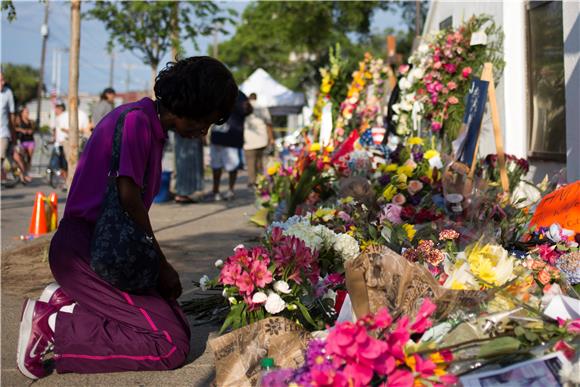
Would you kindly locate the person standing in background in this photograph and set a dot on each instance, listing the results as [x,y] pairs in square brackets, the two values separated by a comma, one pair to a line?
[258,134]
[24,150]
[188,169]
[61,132]
[226,141]
[7,133]
[105,105]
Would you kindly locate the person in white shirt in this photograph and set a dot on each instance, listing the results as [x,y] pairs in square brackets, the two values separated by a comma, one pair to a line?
[7,133]
[258,134]
[61,131]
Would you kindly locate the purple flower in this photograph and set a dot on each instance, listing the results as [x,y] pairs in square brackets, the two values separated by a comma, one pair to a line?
[278,378]
[392,213]
[415,200]
[417,152]
[384,180]
[315,353]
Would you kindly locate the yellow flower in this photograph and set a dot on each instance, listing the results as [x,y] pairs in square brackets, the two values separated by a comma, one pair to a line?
[329,148]
[430,154]
[326,214]
[273,169]
[389,192]
[315,147]
[405,170]
[415,141]
[391,168]
[366,244]
[401,180]
[410,230]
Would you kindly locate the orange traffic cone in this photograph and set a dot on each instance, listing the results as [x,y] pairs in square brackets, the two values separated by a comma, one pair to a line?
[53,205]
[38,219]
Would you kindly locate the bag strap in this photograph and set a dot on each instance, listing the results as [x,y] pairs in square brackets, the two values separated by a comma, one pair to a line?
[116,149]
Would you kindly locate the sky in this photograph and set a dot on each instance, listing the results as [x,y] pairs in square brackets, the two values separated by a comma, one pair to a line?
[21,44]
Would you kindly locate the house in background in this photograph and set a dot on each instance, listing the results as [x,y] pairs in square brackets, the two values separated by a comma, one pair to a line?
[539,92]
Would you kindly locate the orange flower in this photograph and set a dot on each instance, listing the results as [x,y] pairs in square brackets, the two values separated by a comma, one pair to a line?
[544,277]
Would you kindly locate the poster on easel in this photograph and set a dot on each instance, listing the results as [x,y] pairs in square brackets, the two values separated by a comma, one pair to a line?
[467,144]
[472,119]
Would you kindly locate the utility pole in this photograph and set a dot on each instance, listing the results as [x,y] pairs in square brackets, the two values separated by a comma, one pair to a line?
[215,35]
[44,34]
[417,17]
[129,67]
[112,69]
[73,88]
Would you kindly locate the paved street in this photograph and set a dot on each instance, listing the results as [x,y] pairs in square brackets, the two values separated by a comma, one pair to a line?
[193,237]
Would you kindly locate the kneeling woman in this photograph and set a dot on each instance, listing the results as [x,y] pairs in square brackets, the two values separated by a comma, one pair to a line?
[92,318]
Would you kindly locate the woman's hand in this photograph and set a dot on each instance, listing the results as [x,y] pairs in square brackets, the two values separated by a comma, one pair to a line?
[169,285]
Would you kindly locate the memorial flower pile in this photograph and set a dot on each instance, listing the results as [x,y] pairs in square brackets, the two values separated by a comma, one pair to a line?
[375,350]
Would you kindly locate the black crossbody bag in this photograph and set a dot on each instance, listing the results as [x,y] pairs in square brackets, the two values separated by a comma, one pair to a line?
[121,252]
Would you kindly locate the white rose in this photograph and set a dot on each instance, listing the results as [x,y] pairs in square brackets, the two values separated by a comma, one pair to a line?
[203,282]
[219,263]
[274,304]
[282,287]
[259,298]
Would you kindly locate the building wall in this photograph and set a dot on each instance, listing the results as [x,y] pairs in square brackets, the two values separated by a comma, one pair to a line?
[571,24]
[512,95]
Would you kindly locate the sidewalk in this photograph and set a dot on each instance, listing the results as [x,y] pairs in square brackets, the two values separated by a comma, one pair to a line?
[192,237]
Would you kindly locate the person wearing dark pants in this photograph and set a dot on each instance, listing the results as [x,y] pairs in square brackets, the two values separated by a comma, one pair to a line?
[225,142]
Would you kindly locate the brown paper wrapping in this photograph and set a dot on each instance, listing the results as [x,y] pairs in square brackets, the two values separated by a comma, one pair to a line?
[238,354]
[379,277]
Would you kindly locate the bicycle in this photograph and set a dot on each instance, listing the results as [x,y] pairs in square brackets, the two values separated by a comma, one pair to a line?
[53,173]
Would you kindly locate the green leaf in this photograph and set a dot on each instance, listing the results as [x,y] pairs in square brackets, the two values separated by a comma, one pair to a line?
[499,346]
[306,314]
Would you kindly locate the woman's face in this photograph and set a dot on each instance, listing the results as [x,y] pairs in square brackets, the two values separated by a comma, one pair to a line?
[25,113]
[190,128]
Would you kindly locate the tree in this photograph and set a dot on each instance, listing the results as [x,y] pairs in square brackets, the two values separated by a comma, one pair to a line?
[8,7]
[409,13]
[73,88]
[23,80]
[291,39]
[147,28]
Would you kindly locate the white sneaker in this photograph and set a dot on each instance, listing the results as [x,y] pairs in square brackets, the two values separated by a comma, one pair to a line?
[217,197]
[229,195]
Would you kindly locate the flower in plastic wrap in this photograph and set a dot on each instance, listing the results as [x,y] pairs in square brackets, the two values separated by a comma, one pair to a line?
[491,263]
[282,287]
[347,247]
[274,304]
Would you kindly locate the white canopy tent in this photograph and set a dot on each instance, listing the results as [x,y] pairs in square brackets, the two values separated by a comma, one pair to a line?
[276,97]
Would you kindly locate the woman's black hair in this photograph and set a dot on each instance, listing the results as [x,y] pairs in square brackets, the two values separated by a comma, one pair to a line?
[196,87]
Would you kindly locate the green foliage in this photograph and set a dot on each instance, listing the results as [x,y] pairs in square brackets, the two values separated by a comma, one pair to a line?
[23,79]
[146,27]
[8,7]
[290,40]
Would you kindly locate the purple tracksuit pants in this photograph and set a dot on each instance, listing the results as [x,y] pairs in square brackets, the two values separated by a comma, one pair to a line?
[110,330]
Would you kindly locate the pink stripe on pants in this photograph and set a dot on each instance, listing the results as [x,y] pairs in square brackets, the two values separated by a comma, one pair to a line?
[109,330]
